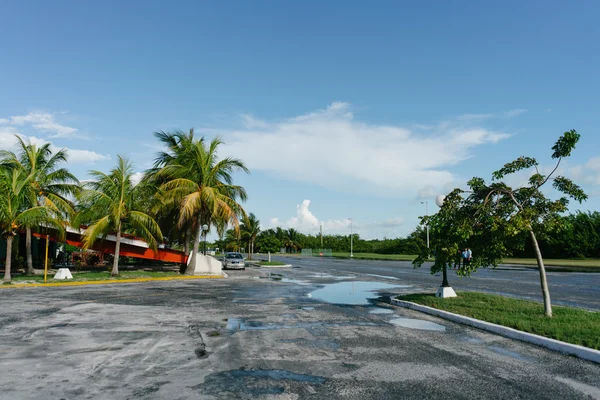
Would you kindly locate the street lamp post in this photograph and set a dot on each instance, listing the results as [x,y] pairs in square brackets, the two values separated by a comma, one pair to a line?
[351,255]
[445,290]
[205,229]
[426,214]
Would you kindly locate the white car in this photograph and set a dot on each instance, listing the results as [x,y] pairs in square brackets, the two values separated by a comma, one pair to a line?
[234,261]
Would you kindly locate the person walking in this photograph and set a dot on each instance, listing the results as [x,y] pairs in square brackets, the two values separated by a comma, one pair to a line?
[457,259]
[465,257]
[469,255]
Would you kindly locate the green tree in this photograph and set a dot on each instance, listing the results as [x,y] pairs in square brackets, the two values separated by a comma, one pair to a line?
[200,182]
[113,203]
[268,243]
[495,218]
[249,229]
[16,211]
[51,185]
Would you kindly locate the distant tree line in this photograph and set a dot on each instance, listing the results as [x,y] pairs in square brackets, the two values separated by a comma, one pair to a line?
[577,237]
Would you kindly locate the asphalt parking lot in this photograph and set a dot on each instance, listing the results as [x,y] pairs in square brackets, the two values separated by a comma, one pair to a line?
[301,335]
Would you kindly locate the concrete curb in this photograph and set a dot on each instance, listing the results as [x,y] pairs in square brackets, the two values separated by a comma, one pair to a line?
[552,344]
[111,281]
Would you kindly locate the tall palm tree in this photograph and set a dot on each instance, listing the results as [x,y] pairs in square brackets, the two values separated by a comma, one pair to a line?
[232,239]
[51,185]
[112,203]
[250,228]
[15,210]
[291,239]
[200,182]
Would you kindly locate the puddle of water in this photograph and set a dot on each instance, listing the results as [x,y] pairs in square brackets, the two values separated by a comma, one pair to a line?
[329,276]
[290,280]
[384,276]
[505,352]
[316,328]
[380,310]
[251,383]
[417,324]
[308,308]
[324,276]
[277,375]
[470,339]
[353,293]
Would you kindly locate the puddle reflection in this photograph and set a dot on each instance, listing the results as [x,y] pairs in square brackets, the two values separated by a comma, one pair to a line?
[353,293]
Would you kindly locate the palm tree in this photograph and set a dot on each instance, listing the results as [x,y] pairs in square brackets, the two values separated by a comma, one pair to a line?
[51,185]
[291,239]
[199,182]
[250,228]
[112,203]
[232,239]
[15,210]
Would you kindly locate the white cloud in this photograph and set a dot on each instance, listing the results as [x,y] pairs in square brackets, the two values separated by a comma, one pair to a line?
[137,177]
[428,192]
[250,122]
[44,122]
[514,113]
[85,156]
[330,148]
[589,172]
[306,222]
[80,156]
[505,114]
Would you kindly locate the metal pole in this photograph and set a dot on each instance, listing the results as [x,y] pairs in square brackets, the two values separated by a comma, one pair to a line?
[351,255]
[321,228]
[427,214]
[46,259]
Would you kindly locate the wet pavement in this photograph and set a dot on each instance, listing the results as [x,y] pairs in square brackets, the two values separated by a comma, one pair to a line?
[279,334]
[575,289]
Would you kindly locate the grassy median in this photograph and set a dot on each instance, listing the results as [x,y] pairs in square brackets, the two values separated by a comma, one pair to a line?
[583,264]
[568,324]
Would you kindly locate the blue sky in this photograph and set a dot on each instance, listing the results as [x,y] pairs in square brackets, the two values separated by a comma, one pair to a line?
[365,110]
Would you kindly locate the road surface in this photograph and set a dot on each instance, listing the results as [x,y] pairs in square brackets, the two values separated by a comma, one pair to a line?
[577,289]
[306,336]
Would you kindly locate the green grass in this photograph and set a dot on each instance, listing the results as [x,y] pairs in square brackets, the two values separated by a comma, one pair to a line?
[96,276]
[555,262]
[588,263]
[568,324]
[375,256]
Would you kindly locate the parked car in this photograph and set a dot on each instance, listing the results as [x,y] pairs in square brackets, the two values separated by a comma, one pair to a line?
[234,261]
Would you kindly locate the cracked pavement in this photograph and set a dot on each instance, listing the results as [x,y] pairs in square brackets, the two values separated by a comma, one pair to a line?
[250,336]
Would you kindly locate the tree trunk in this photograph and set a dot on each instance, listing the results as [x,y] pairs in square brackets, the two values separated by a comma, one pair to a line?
[186,248]
[543,281]
[445,276]
[115,268]
[186,241]
[249,250]
[192,264]
[9,242]
[29,270]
